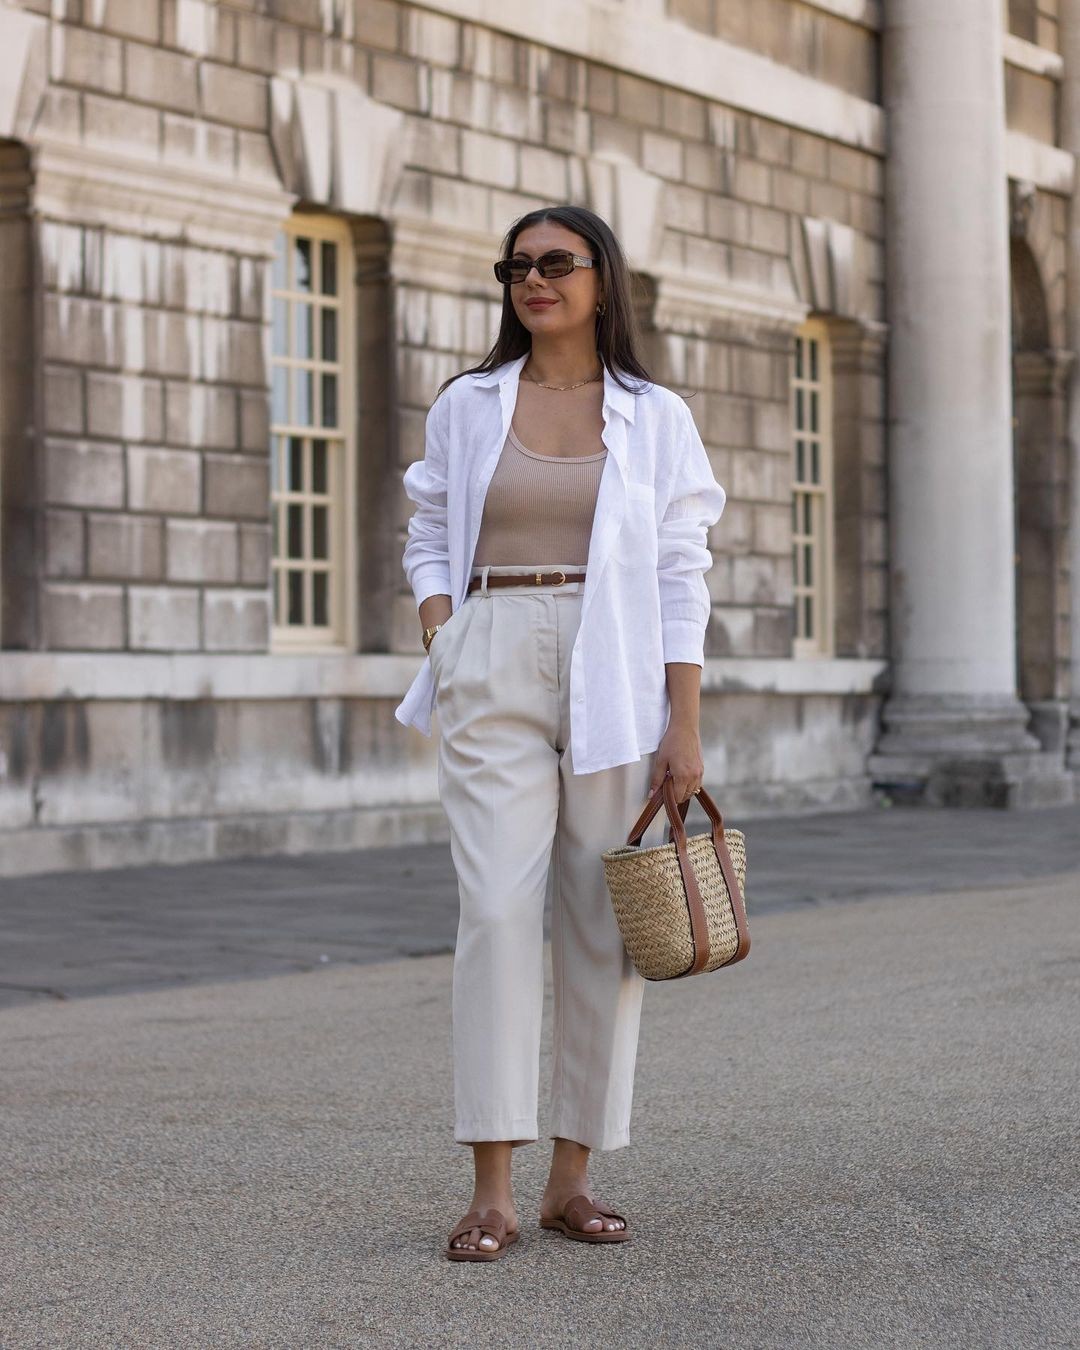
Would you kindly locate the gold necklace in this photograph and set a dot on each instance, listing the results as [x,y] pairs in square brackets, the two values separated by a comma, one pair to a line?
[563,387]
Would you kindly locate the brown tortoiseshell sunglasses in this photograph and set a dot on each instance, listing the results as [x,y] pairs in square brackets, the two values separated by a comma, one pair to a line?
[560,262]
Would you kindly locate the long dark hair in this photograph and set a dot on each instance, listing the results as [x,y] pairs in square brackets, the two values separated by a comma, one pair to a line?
[617,336]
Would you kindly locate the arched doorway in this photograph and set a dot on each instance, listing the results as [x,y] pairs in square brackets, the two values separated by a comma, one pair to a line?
[1040,465]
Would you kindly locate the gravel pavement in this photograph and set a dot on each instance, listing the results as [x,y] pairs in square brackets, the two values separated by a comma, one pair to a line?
[865,1135]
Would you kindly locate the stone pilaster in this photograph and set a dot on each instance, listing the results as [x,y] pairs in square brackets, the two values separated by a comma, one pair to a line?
[955,728]
[1070,140]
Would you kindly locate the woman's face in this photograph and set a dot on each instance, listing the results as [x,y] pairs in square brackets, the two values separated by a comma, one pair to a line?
[571,300]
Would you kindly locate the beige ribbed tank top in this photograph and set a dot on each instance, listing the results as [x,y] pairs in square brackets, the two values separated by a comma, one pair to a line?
[538,508]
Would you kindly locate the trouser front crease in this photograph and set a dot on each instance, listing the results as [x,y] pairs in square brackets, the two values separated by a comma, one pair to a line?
[515,809]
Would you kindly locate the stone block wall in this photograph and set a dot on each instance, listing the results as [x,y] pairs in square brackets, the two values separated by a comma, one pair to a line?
[802,37]
[732,187]
[19,560]
[153,346]
[164,167]
[154,437]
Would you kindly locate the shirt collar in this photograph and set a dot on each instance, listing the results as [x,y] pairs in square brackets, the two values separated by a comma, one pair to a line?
[615,396]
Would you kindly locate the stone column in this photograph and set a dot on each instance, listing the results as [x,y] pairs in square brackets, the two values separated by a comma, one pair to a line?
[955,726]
[1070,139]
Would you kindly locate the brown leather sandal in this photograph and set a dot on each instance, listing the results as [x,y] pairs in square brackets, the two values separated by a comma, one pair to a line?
[491,1222]
[578,1211]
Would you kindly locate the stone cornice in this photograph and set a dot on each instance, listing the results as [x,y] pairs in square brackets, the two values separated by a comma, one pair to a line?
[423,253]
[865,13]
[1047,166]
[699,300]
[1031,57]
[30,677]
[1042,372]
[858,344]
[90,186]
[656,48]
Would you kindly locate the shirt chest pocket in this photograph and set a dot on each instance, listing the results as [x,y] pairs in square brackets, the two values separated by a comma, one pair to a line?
[636,541]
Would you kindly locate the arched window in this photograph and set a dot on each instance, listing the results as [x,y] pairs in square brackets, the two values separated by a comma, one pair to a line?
[312,451]
[812,492]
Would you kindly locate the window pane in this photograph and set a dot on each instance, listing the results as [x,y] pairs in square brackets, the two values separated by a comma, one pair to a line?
[815,468]
[296,530]
[319,532]
[329,268]
[279,396]
[808,564]
[329,401]
[301,264]
[813,411]
[329,335]
[281,262]
[281,327]
[321,609]
[275,532]
[813,358]
[798,358]
[296,464]
[809,602]
[318,466]
[808,523]
[799,416]
[800,463]
[296,597]
[303,397]
[302,327]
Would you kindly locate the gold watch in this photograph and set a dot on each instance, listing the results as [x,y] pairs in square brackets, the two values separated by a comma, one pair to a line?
[429,633]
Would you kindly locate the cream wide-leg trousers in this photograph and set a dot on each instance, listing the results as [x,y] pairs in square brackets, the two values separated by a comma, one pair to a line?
[501,667]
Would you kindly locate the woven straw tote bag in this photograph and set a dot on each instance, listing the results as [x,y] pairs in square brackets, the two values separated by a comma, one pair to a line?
[679,906]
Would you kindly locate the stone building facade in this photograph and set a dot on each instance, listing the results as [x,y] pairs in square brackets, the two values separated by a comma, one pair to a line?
[242,243]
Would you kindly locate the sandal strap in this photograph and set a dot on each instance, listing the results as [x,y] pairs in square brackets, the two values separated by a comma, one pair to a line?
[608,1212]
[579,1210]
[491,1221]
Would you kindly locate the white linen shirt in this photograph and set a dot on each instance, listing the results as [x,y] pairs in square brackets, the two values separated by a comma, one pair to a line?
[645,600]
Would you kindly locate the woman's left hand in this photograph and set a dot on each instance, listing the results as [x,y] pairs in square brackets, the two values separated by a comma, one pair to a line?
[680,754]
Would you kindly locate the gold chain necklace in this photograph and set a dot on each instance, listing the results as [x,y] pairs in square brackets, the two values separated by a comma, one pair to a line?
[563,387]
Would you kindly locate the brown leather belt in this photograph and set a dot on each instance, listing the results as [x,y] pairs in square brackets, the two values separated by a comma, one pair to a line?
[525,579]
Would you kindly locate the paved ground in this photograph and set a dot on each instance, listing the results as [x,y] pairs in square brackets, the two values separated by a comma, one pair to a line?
[70,934]
[863,1136]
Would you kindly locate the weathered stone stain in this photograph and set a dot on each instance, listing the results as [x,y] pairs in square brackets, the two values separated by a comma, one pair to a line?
[188,731]
[64,738]
[17,742]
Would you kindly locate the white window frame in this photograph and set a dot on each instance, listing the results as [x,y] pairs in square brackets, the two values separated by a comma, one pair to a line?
[812,506]
[339,499]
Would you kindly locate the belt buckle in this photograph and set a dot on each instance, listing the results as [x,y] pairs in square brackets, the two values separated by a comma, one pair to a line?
[560,575]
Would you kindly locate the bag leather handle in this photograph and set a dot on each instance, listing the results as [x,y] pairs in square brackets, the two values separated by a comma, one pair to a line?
[676,813]
[675,810]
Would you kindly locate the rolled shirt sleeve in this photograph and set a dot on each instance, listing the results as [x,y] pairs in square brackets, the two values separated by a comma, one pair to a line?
[426,558]
[696,501]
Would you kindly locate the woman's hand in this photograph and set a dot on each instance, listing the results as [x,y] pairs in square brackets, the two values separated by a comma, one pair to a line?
[679,753]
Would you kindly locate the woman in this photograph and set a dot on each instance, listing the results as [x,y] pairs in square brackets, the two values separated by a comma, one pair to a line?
[557,555]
